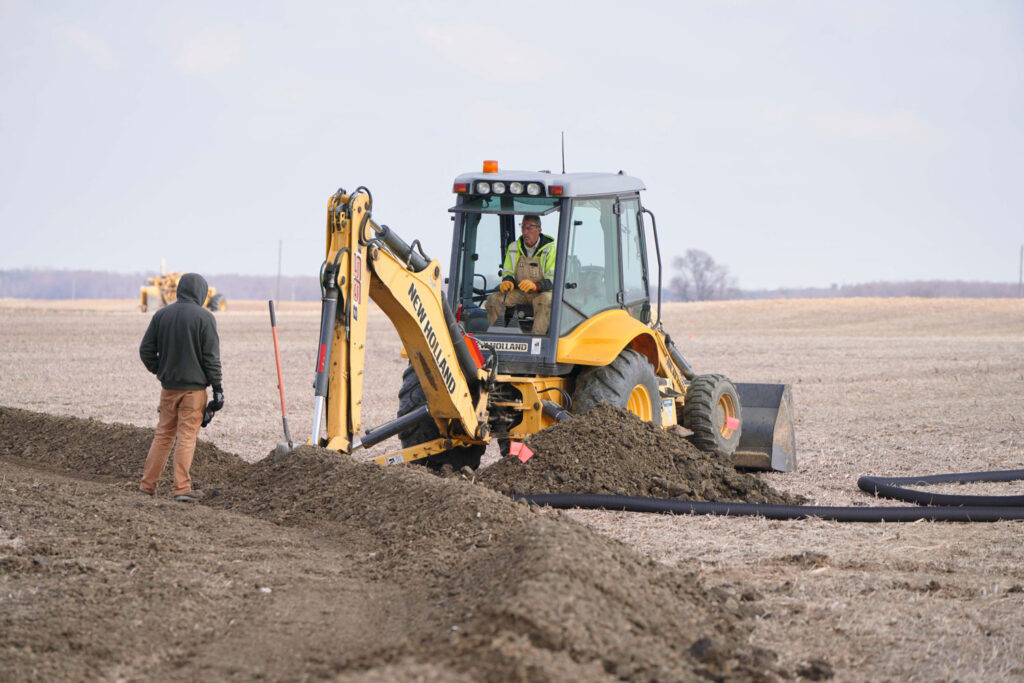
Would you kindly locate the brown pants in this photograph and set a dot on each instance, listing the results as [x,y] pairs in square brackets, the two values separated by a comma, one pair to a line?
[181,413]
[541,302]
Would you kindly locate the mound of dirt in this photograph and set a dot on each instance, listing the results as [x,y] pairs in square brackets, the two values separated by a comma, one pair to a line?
[608,450]
[454,575]
[97,449]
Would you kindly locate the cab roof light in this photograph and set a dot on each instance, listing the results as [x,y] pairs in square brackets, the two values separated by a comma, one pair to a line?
[460,187]
[555,189]
[490,167]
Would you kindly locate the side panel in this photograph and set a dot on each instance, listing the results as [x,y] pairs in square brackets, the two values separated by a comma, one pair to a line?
[599,339]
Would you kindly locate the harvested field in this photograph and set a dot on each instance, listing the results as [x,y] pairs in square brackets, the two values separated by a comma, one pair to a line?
[324,568]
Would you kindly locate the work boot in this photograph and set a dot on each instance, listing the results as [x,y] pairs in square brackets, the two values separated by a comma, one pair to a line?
[189,497]
[145,493]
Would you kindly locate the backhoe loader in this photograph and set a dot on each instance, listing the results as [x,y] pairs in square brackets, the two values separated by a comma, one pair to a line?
[476,374]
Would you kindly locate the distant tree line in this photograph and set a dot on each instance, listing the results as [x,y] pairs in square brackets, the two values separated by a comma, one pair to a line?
[695,277]
[91,284]
[928,289]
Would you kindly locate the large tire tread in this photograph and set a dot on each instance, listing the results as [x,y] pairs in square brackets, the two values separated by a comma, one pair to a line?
[614,382]
[700,409]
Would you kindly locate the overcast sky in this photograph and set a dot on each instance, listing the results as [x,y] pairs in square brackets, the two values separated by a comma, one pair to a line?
[799,143]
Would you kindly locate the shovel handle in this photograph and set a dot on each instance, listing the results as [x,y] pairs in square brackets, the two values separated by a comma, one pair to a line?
[277,357]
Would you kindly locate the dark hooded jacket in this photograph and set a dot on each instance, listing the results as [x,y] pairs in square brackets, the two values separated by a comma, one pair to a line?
[181,346]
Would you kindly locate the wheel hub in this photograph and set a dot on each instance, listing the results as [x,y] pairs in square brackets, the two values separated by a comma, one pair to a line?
[725,414]
[639,403]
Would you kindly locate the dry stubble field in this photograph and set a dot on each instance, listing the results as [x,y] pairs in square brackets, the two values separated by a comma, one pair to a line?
[890,387]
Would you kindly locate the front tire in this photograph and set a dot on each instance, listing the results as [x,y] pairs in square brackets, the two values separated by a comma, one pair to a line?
[628,382]
[411,397]
[713,413]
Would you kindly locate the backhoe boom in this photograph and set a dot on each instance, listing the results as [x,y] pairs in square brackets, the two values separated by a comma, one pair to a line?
[366,260]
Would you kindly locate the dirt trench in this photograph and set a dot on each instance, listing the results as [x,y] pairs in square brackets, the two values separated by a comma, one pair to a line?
[321,567]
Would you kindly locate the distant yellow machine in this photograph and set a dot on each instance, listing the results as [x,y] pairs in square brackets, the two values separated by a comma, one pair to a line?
[162,290]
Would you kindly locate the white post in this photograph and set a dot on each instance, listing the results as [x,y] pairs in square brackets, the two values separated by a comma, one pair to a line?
[278,297]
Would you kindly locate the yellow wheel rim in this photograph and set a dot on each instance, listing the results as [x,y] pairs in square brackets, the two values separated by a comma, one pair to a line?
[725,410]
[639,403]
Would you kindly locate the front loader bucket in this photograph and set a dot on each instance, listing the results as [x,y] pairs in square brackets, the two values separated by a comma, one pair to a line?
[767,441]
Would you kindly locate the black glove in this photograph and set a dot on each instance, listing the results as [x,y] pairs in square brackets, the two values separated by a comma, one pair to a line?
[213,406]
[218,399]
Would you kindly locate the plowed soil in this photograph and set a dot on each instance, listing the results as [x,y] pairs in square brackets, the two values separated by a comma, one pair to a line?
[361,570]
[321,567]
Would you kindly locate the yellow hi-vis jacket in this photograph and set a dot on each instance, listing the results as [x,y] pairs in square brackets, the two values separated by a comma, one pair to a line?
[544,254]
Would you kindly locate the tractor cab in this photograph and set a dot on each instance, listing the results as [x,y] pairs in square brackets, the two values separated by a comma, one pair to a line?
[600,261]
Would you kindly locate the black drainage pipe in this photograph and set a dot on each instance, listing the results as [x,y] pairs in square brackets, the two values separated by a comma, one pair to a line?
[974,511]
[886,487]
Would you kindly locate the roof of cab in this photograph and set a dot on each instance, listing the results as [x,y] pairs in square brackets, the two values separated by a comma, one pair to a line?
[573,184]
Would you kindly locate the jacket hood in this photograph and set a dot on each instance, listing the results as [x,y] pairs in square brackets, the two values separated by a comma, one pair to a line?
[192,287]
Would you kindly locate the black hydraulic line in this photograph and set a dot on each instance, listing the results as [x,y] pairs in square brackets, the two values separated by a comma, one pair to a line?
[377,434]
[328,312]
[555,411]
[684,367]
[931,507]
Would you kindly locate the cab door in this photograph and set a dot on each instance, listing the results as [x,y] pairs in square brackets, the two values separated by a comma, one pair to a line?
[605,263]
[636,295]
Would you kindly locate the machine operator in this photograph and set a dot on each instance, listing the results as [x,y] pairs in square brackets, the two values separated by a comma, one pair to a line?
[528,274]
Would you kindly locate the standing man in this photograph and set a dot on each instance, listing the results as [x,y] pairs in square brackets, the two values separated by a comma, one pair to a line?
[182,349]
[528,275]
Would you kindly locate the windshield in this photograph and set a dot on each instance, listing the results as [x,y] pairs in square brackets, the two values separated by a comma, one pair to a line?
[485,241]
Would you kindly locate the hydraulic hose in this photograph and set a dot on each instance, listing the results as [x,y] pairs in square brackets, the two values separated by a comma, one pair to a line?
[960,509]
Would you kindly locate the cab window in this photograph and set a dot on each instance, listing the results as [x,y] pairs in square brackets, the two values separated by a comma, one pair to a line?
[592,262]
[634,277]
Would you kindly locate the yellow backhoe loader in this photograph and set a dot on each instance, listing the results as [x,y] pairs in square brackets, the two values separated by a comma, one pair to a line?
[476,375]
[162,290]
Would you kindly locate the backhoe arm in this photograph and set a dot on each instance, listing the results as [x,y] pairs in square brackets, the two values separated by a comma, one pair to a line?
[364,260]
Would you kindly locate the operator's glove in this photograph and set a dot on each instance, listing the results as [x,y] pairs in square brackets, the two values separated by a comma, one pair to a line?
[213,406]
[506,286]
[527,286]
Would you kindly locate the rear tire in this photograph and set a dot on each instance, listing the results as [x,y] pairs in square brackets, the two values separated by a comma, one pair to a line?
[411,397]
[217,303]
[628,382]
[711,400]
